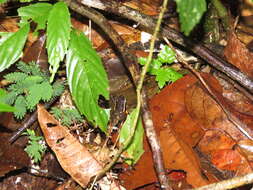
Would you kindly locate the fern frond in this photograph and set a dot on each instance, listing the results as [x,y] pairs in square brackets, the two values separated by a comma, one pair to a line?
[58,88]
[38,92]
[28,68]
[15,76]
[67,117]
[10,98]
[46,90]
[20,105]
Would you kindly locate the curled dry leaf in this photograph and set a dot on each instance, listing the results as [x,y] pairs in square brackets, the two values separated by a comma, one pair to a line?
[74,158]
[238,54]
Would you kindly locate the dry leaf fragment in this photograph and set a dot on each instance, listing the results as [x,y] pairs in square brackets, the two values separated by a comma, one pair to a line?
[239,55]
[74,158]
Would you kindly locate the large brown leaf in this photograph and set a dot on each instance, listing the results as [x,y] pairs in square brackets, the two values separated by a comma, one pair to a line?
[74,158]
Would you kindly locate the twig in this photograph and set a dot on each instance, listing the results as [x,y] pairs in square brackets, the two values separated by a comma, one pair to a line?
[130,61]
[28,122]
[149,23]
[229,184]
[231,117]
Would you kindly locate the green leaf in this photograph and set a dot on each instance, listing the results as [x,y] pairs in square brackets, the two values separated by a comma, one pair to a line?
[20,105]
[164,75]
[11,48]
[190,13]
[58,35]
[37,12]
[87,79]
[166,55]
[3,106]
[38,92]
[135,148]
[6,108]
[15,76]
[34,148]
[2,1]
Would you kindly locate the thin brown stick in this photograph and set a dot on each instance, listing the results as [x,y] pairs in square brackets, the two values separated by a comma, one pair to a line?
[149,23]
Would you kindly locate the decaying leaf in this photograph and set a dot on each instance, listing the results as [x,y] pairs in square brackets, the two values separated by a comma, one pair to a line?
[238,54]
[74,158]
[12,157]
[179,156]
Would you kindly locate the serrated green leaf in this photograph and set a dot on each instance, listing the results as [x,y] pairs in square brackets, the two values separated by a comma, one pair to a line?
[3,106]
[190,13]
[166,55]
[37,12]
[15,76]
[34,148]
[165,75]
[11,48]
[20,105]
[135,148]
[58,35]
[87,79]
[38,92]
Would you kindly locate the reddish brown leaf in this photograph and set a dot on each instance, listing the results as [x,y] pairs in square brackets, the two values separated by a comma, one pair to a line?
[204,110]
[226,159]
[168,106]
[180,156]
[37,53]
[215,140]
[74,158]
[12,157]
[238,54]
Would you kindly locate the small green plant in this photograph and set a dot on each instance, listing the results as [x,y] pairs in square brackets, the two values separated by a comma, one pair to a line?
[159,66]
[35,148]
[67,117]
[28,87]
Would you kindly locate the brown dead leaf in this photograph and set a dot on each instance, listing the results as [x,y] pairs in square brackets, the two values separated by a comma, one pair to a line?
[129,34]
[74,158]
[215,140]
[180,156]
[37,52]
[204,110]
[12,157]
[237,54]
[168,106]
[145,7]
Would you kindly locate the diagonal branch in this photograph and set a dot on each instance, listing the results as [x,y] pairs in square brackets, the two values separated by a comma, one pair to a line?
[149,23]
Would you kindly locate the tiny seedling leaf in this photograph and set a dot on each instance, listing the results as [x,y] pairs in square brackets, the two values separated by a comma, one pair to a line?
[11,48]
[87,79]
[190,13]
[166,55]
[135,148]
[58,34]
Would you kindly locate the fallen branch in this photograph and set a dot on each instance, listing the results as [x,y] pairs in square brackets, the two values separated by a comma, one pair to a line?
[230,183]
[200,50]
